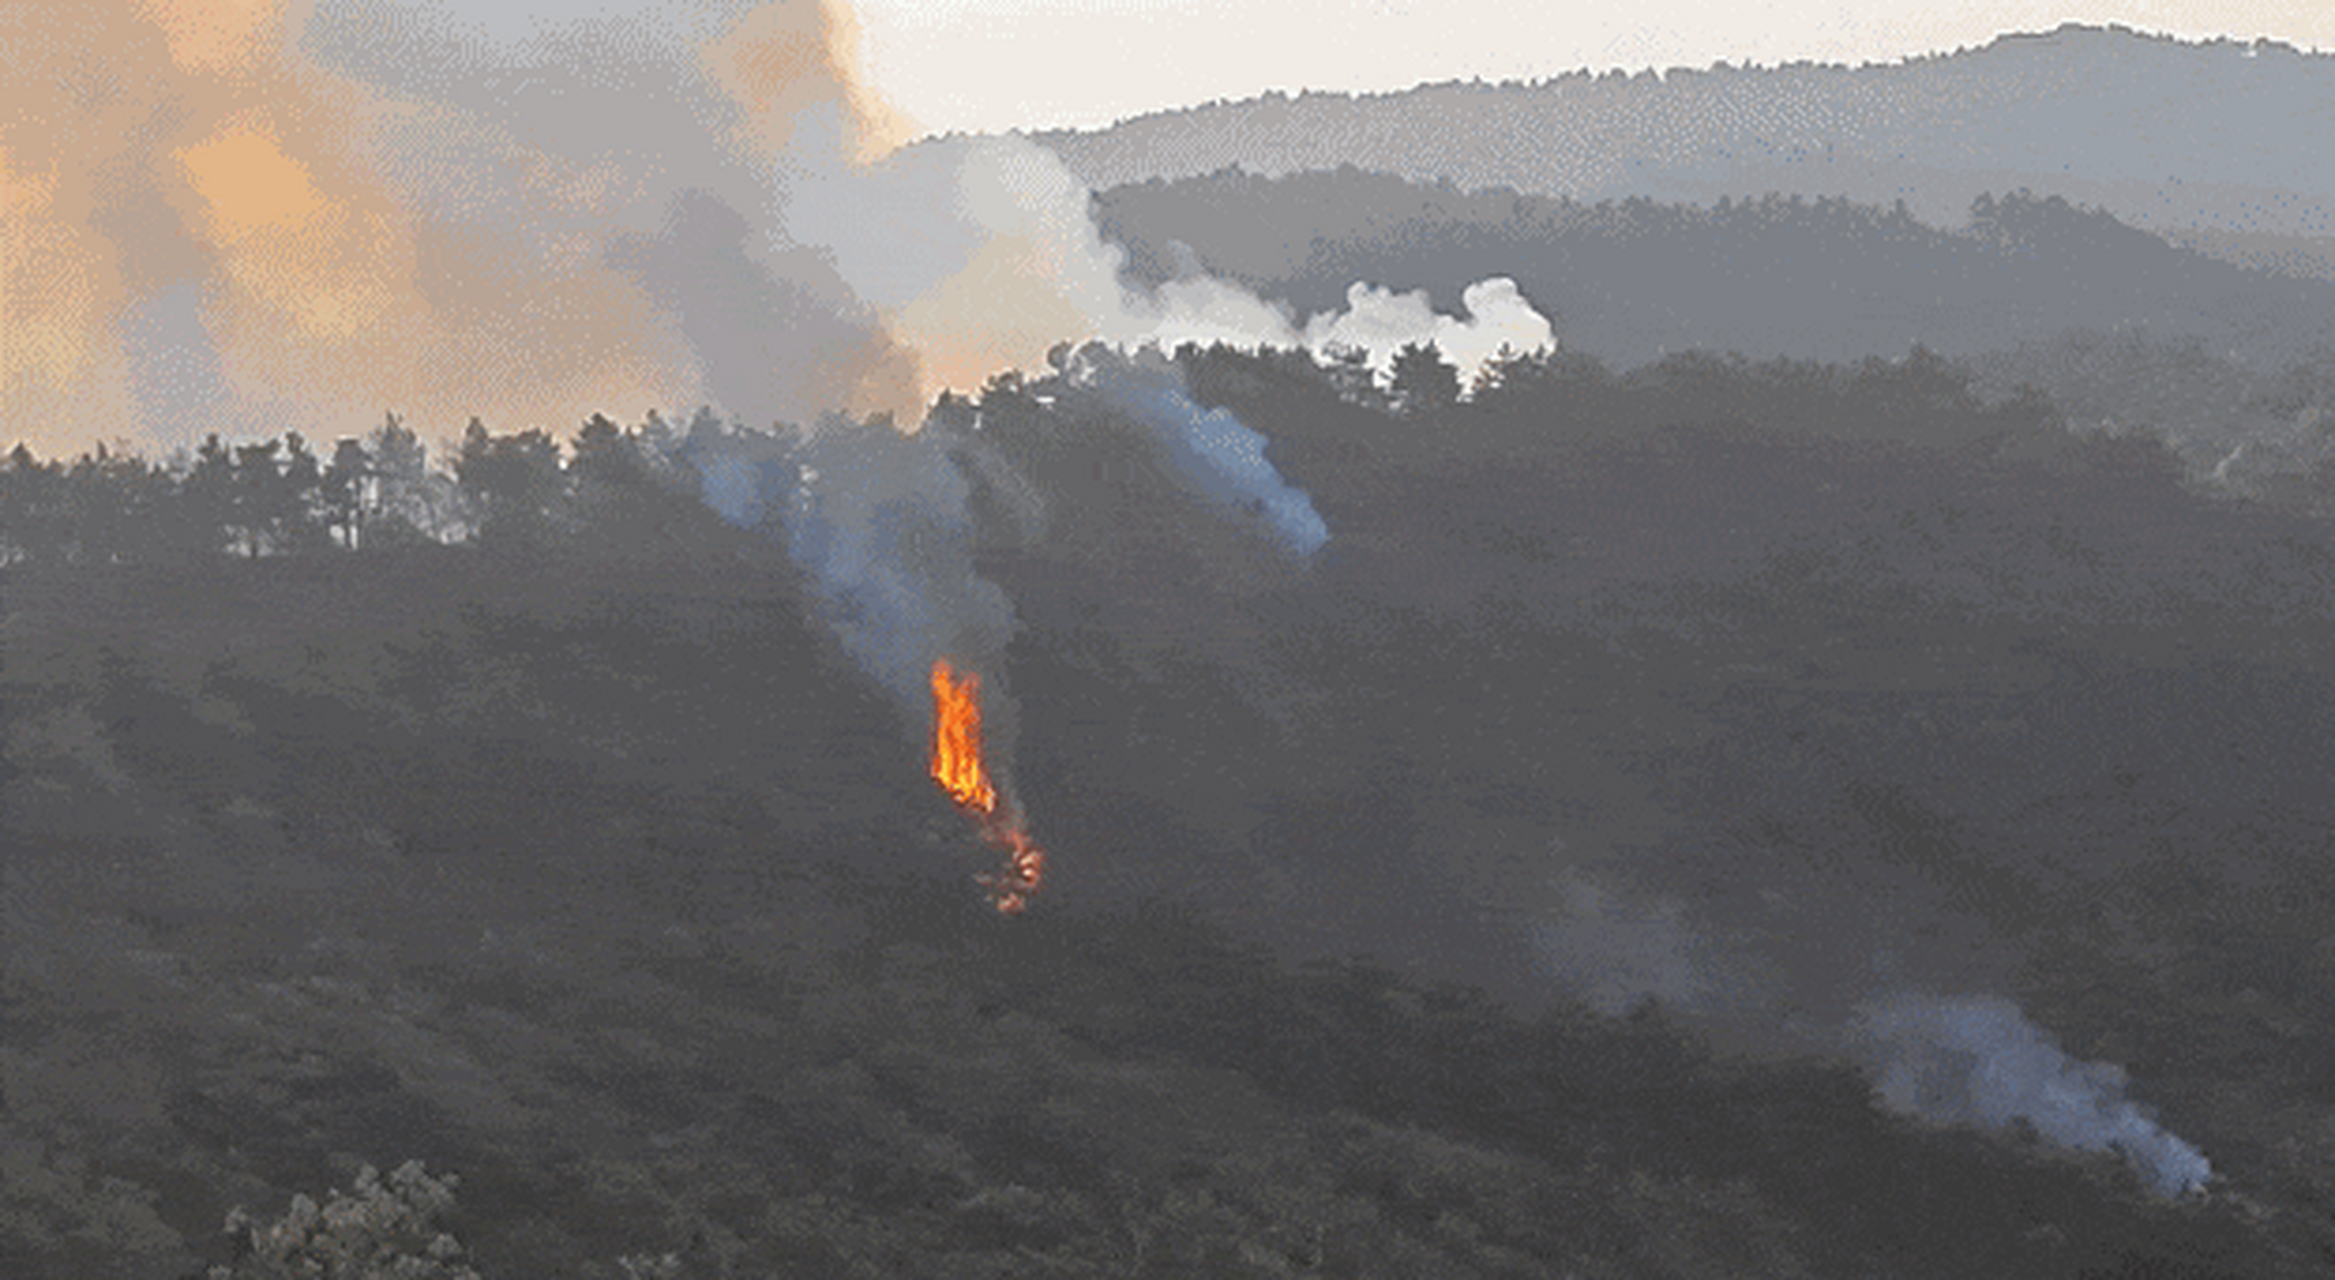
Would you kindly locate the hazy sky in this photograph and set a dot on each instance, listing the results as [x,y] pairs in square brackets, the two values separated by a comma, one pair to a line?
[999,64]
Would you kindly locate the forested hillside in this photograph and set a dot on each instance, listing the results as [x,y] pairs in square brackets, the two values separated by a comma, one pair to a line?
[1498,889]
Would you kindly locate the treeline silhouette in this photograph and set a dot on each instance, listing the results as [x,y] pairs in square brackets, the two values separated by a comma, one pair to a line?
[279,497]
[617,488]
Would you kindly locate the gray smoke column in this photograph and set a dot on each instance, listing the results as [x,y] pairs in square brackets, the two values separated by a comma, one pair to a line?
[1978,1060]
[879,520]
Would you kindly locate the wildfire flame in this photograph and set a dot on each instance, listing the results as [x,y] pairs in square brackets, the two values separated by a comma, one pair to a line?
[1025,869]
[958,768]
[956,738]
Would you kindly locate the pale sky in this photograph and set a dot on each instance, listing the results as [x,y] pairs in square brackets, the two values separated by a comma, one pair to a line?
[982,65]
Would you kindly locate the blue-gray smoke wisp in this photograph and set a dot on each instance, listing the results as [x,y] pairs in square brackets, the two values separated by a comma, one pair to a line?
[1978,1060]
[1212,451]
[878,519]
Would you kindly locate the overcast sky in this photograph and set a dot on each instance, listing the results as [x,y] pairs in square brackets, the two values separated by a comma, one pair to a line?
[998,64]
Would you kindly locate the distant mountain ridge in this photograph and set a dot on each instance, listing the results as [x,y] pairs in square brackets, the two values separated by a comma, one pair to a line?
[2217,145]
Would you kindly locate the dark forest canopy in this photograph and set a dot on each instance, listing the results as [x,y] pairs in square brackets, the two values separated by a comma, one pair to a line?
[275,497]
[626,486]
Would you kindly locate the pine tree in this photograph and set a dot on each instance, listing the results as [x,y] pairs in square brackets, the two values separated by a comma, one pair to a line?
[1421,381]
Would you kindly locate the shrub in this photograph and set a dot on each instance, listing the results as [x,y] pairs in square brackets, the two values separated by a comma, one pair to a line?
[380,1232]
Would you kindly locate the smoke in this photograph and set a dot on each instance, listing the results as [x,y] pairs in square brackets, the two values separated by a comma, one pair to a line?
[1381,322]
[880,519]
[329,207]
[341,246]
[1977,1060]
[1974,1060]
[1211,451]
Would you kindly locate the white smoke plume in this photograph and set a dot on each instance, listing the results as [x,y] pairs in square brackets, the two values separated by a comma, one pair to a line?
[1978,1060]
[1381,322]
[983,254]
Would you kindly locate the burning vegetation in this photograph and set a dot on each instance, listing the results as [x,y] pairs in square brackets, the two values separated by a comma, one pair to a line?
[956,738]
[958,767]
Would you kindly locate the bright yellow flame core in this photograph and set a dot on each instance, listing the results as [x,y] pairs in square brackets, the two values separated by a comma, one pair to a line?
[956,738]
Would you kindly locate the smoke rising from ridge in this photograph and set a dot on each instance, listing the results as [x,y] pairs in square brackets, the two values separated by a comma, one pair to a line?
[294,214]
[1210,450]
[1977,1060]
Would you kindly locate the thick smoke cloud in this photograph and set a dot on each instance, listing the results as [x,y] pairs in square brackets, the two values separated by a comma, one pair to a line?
[371,204]
[343,246]
[297,214]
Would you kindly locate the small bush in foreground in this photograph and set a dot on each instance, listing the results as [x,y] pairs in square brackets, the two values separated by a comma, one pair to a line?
[383,1231]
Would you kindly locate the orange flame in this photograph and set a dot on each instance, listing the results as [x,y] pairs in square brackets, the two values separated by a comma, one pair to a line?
[1025,871]
[957,767]
[956,738]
